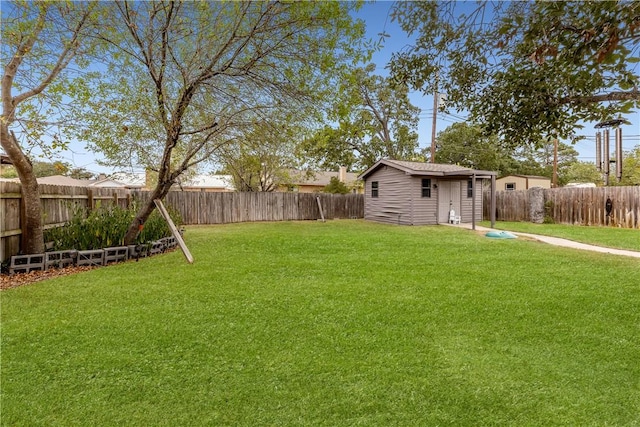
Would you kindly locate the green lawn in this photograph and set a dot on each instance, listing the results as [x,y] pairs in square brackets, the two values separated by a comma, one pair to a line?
[611,237]
[330,324]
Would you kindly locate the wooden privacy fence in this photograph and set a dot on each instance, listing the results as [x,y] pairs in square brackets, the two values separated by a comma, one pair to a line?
[60,202]
[223,208]
[580,206]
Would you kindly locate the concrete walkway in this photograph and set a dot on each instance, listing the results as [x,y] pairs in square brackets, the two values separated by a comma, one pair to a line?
[559,241]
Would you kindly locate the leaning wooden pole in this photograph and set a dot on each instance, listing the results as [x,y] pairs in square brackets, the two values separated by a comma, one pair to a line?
[174,230]
[320,207]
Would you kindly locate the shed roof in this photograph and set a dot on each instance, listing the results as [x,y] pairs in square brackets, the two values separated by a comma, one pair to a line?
[427,169]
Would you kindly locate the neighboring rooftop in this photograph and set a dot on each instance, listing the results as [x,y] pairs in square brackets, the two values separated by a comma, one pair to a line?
[126,179]
[221,182]
[63,180]
[526,176]
[321,178]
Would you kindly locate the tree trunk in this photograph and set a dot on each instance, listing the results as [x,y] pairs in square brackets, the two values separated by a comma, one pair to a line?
[32,231]
[159,192]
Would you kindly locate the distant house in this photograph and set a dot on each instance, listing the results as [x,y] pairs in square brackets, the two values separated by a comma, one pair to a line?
[207,183]
[415,193]
[315,182]
[145,180]
[522,182]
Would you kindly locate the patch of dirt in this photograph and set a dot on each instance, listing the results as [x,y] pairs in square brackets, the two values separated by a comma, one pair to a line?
[20,279]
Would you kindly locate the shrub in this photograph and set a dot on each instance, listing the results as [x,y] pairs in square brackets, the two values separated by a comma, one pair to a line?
[106,227]
[336,186]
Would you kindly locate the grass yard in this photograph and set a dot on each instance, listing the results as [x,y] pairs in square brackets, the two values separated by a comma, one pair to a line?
[330,324]
[611,237]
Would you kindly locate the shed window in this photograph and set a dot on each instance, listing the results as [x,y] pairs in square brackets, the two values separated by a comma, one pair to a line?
[470,188]
[426,187]
[374,189]
[510,186]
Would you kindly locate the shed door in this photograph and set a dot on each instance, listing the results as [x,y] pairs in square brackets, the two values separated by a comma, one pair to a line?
[448,198]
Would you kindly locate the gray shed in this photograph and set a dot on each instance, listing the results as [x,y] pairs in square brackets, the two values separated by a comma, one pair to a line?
[417,193]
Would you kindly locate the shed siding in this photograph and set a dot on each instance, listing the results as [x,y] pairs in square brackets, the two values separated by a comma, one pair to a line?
[425,209]
[519,182]
[466,203]
[393,204]
[539,182]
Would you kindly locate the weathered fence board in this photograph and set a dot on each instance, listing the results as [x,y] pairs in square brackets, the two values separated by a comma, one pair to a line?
[60,202]
[581,206]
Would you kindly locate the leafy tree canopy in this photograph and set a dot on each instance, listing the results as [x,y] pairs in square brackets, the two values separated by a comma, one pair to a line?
[539,158]
[526,70]
[467,145]
[584,172]
[260,158]
[375,120]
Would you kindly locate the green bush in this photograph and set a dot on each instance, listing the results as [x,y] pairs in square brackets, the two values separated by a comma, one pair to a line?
[105,227]
[336,186]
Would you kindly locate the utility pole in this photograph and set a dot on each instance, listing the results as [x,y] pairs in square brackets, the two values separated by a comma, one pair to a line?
[433,123]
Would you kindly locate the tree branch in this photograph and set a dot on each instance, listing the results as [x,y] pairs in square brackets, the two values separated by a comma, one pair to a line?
[9,103]
[633,95]
[63,60]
